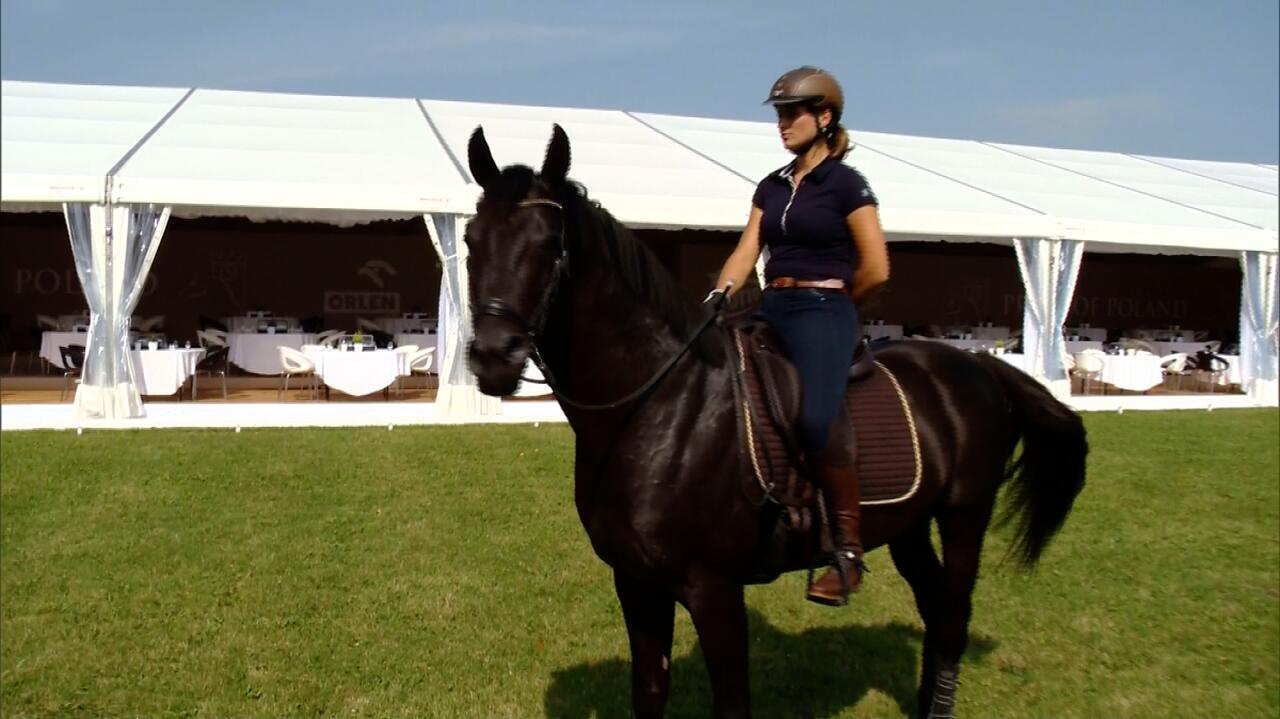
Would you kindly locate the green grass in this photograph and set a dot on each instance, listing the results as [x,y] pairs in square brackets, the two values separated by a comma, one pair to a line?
[442,572]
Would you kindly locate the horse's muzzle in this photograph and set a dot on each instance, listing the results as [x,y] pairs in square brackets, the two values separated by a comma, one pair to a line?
[497,358]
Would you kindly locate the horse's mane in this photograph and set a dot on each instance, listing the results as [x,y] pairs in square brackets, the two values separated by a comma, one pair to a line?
[637,268]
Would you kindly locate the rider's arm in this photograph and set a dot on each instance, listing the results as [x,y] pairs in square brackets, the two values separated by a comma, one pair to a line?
[872,253]
[742,262]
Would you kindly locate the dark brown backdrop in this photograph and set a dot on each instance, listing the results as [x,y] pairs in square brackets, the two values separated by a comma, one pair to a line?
[220,267]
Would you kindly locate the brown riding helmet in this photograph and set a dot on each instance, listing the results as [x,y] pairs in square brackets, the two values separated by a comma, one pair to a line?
[808,85]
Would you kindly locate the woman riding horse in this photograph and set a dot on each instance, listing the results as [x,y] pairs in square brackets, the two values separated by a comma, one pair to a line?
[661,480]
[819,220]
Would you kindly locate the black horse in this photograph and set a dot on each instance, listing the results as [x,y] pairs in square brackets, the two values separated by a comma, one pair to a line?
[659,474]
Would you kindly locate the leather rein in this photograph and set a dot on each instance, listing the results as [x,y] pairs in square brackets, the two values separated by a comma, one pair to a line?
[496,307]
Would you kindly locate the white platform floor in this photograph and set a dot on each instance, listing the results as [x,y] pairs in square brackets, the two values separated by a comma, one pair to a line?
[381,414]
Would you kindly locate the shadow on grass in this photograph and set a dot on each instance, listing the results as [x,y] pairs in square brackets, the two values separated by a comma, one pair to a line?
[816,673]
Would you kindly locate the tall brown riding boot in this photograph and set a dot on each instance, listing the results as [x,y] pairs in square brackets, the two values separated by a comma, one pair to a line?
[840,485]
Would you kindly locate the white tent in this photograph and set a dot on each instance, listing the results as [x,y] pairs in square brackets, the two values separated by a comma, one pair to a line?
[347,160]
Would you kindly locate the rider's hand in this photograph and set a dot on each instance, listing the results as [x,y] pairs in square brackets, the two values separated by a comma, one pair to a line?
[717,296]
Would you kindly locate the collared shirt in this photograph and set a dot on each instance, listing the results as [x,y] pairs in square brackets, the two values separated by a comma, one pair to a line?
[804,226]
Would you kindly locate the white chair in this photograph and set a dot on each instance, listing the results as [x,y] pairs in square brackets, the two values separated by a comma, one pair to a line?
[1214,373]
[1175,365]
[151,324]
[322,337]
[420,363]
[216,362]
[211,338]
[293,362]
[404,356]
[72,367]
[1088,366]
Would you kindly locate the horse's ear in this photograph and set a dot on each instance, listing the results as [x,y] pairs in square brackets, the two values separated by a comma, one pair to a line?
[555,167]
[480,159]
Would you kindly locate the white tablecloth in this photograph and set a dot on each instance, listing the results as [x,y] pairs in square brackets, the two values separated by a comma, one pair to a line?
[1232,375]
[257,353]
[51,342]
[1016,359]
[163,372]
[532,389]
[359,373]
[875,332]
[1136,373]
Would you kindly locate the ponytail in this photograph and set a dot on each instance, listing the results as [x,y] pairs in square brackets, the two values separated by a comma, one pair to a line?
[838,141]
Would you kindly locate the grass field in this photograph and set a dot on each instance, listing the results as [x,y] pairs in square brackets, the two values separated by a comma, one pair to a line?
[442,572]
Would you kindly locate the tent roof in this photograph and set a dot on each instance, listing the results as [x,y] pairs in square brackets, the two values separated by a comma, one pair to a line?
[57,142]
[295,151]
[353,159]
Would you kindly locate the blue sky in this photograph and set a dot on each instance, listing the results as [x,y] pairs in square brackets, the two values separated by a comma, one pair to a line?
[1174,78]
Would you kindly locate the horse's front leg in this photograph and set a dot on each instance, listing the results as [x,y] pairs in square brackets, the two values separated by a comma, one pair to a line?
[719,615]
[649,612]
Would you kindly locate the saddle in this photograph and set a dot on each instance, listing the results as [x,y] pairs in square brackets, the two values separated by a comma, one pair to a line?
[886,445]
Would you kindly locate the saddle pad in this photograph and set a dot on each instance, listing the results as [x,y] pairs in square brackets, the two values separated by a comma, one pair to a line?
[888,448]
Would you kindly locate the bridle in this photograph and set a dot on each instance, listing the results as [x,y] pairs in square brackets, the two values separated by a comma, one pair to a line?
[496,307]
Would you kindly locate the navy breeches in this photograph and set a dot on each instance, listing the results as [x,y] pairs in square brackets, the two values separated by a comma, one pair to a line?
[819,330]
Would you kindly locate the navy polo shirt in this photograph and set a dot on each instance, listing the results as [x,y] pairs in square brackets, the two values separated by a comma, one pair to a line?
[804,227]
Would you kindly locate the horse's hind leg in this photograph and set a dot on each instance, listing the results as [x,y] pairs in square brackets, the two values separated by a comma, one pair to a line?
[650,614]
[917,562]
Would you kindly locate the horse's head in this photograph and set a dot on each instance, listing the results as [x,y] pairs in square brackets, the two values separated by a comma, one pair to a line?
[517,251]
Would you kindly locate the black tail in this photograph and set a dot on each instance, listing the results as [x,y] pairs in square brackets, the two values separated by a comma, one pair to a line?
[1049,472]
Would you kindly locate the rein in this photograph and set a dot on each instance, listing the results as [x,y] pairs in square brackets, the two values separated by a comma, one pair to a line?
[495,307]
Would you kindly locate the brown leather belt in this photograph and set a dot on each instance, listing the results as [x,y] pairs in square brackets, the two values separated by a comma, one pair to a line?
[787,283]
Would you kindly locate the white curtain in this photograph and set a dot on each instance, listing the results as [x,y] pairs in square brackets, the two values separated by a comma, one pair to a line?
[458,395]
[1259,354]
[113,247]
[1049,268]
